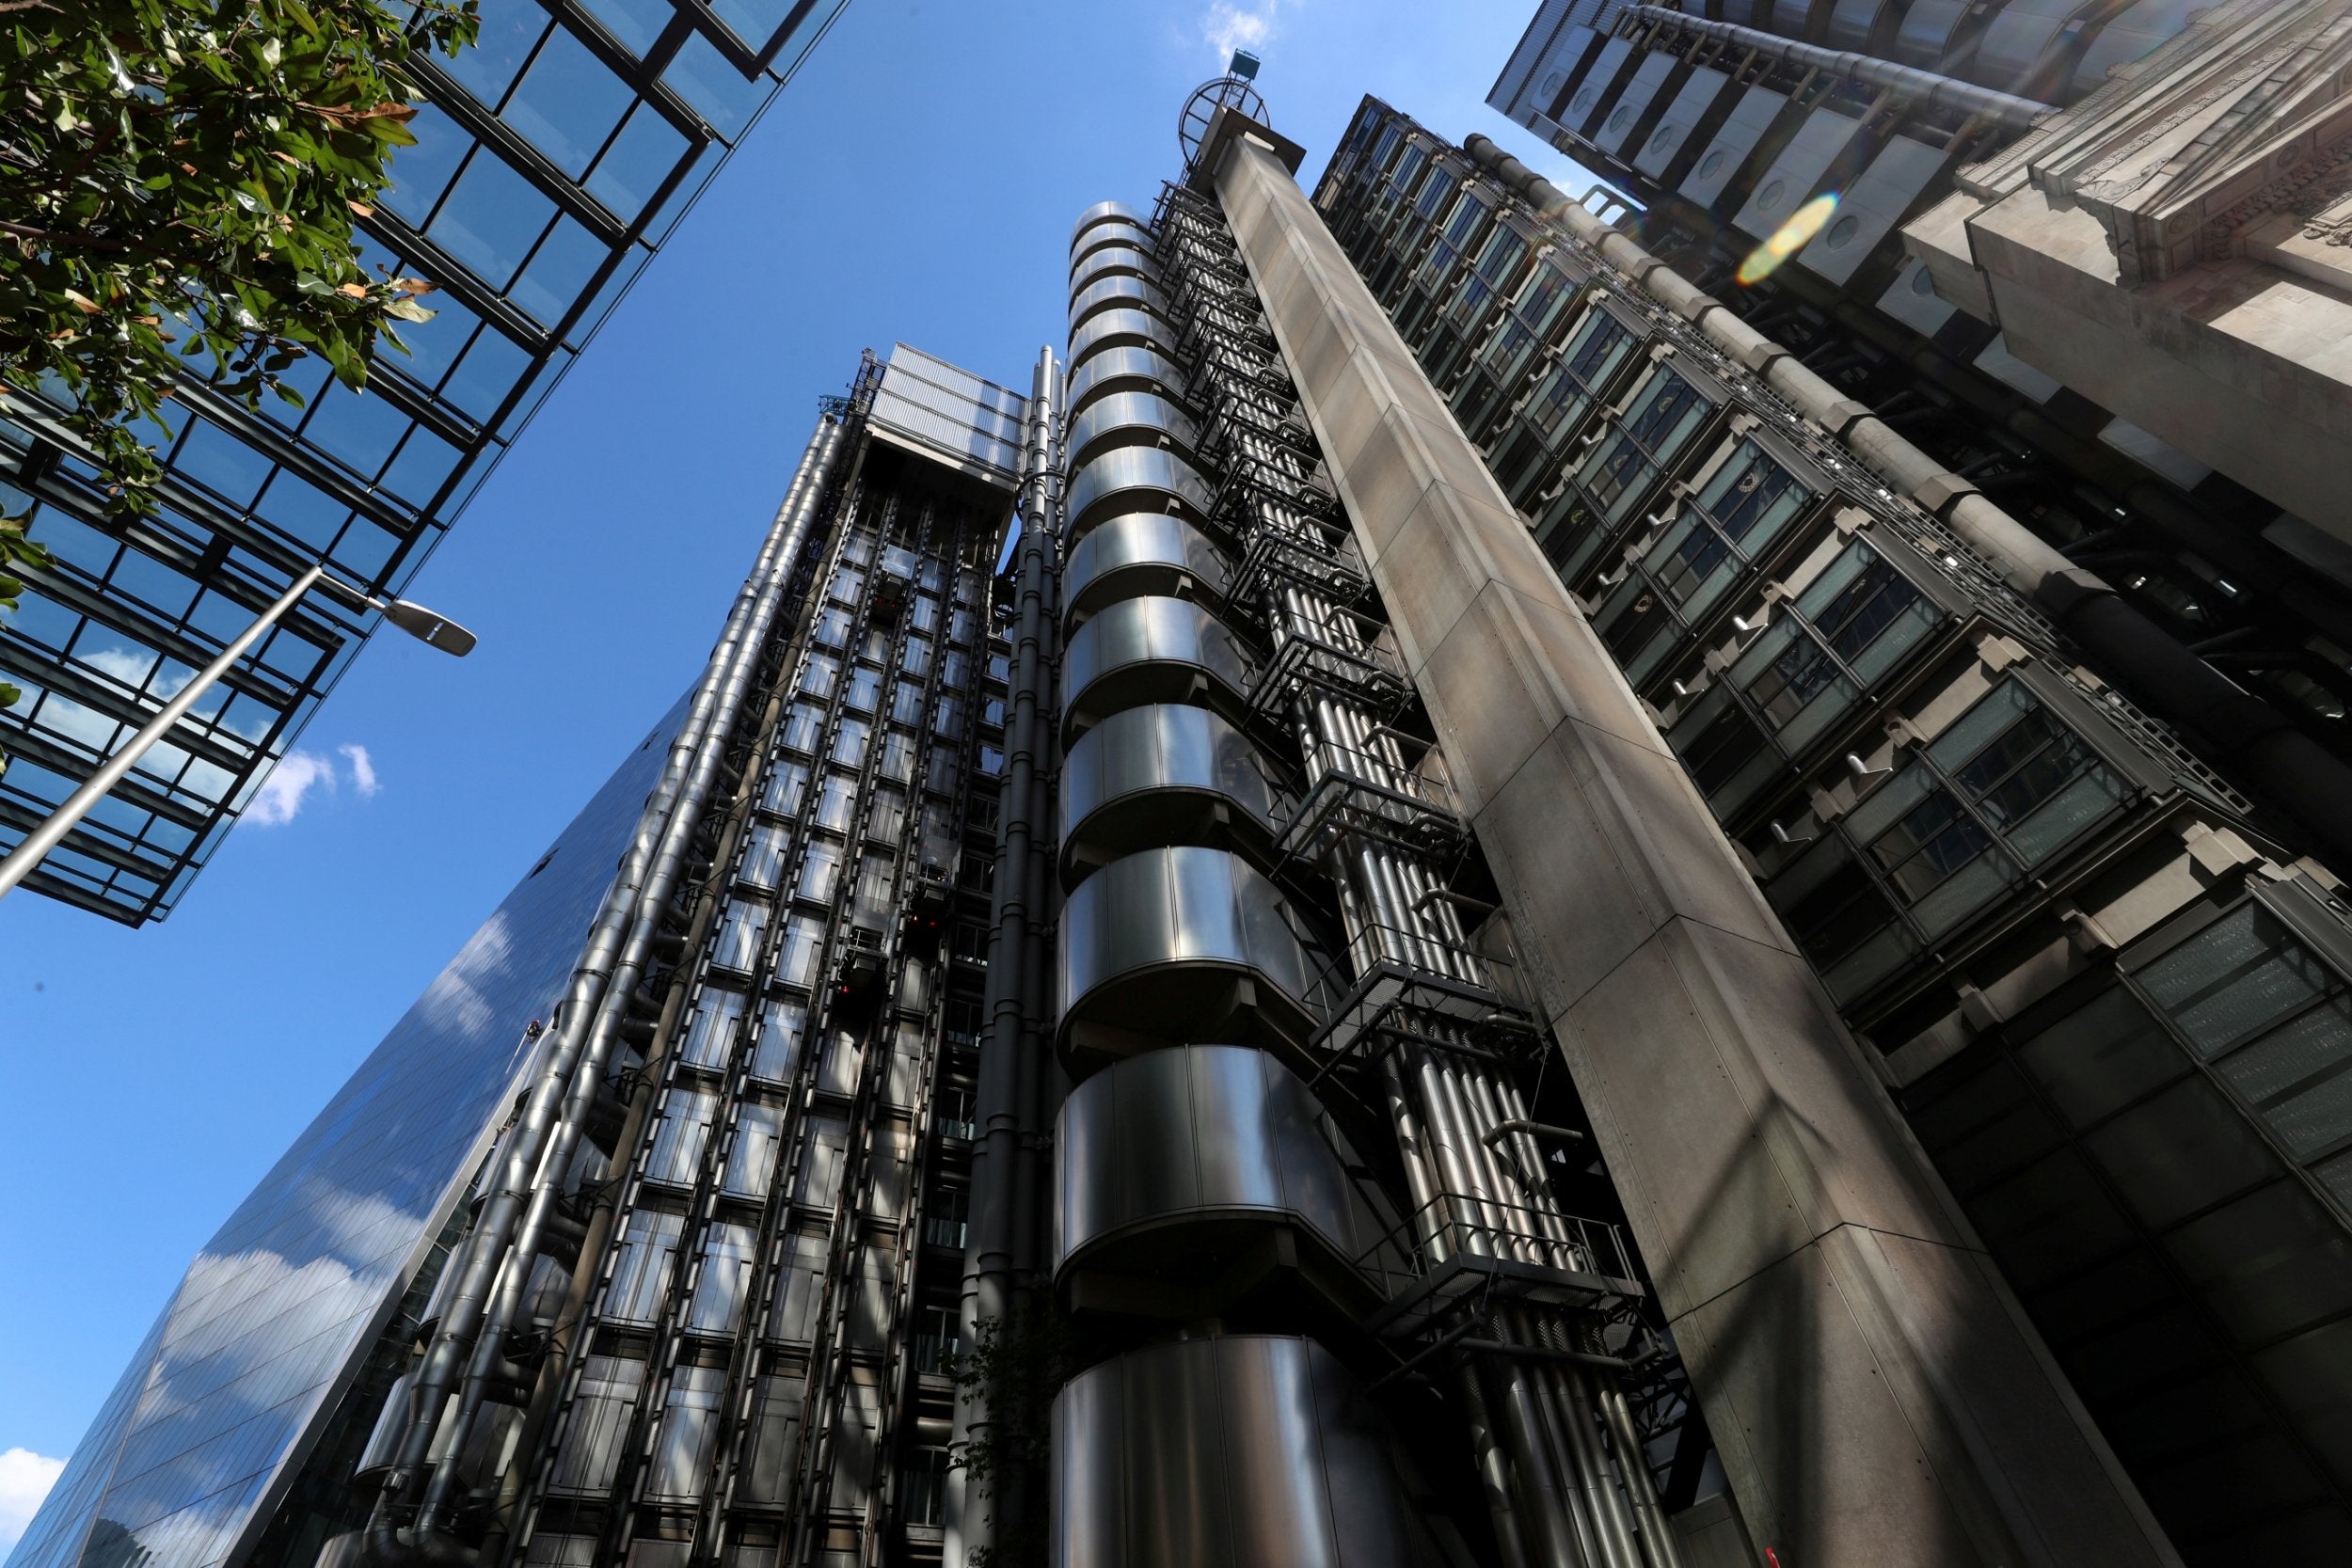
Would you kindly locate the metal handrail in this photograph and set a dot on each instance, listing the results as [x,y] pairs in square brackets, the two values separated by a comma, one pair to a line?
[1431,789]
[1453,1225]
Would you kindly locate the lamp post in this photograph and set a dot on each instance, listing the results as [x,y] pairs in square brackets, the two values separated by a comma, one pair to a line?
[417,620]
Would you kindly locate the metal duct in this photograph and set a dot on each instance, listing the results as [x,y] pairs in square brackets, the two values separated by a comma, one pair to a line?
[2006,110]
[1144,554]
[1104,212]
[1177,943]
[1130,420]
[1169,1165]
[1111,261]
[1123,369]
[1135,479]
[1151,650]
[1120,329]
[1238,1452]
[1117,291]
[1104,236]
[1000,1258]
[1166,773]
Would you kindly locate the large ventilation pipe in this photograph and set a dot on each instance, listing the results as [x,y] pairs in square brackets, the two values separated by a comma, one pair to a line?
[2006,110]
[467,1353]
[1002,1260]
[2284,769]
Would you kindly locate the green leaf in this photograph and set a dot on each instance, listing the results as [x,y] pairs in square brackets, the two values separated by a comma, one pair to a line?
[239,204]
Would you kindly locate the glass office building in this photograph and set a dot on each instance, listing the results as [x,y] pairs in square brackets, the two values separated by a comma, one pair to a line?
[1403,919]
[551,160]
[260,1339]
[1722,121]
[765,1187]
[2079,954]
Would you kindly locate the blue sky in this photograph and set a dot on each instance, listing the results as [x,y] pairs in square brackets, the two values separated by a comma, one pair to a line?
[918,181]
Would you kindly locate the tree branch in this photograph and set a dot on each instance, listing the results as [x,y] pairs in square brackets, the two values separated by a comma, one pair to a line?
[52,236]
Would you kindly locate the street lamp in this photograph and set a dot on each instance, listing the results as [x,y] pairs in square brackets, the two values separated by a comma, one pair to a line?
[418,622]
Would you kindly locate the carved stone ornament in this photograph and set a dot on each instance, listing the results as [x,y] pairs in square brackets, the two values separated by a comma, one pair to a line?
[2245,114]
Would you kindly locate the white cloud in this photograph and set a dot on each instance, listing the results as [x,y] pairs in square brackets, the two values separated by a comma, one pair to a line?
[455,994]
[298,773]
[1228,25]
[25,1478]
[288,786]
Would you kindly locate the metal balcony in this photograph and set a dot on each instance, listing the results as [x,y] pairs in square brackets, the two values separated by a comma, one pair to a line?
[1458,1253]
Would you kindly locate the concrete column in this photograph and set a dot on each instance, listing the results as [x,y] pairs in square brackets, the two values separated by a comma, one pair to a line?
[1877,1394]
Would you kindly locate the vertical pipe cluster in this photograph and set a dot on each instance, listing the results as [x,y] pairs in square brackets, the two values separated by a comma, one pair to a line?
[467,1358]
[1562,1467]
[1001,1259]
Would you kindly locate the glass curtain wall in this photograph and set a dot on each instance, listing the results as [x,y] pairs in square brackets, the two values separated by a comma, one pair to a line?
[551,160]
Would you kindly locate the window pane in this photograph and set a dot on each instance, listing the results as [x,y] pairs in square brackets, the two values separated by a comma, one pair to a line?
[635,22]
[2240,974]
[564,266]
[717,91]
[491,220]
[633,168]
[752,21]
[2297,1074]
[2102,1056]
[356,427]
[423,467]
[568,103]
[2180,1152]
[423,172]
[836,800]
[2268,1263]
[303,511]
[363,549]
[486,375]
[433,346]
[212,457]
[509,28]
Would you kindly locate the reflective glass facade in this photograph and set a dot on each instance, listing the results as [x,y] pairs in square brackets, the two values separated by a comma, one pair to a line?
[187,1453]
[550,161]
[783,1174]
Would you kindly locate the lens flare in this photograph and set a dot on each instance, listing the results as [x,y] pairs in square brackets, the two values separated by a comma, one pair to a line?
[1791,237]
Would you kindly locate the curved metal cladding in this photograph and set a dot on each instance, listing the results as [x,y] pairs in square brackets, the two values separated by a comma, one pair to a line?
[182,1461]
[1142,554]
[1103,212]
[1146,941]
[1117,291]
[1129,419]
[1114,260]
[1117,329]
[1135,479]
[1112,232]
[1156,775]
[1135,369]
[1139,651]
[1237,1451]
[1163,1162]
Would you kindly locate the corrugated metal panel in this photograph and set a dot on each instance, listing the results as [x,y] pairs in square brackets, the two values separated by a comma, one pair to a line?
[973,424]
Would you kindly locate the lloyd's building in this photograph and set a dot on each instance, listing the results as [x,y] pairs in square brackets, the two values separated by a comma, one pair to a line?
[1392,915]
